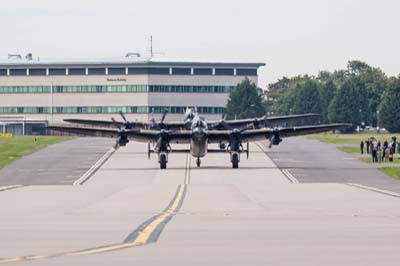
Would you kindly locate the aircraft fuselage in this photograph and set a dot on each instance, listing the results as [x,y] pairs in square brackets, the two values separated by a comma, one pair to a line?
[199,138]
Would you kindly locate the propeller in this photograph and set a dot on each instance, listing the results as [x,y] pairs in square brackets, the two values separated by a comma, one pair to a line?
[275,138]
[127,124]
[162,143]
[257,123]
[221,124]
[235,138]
[159,125]
[122,138]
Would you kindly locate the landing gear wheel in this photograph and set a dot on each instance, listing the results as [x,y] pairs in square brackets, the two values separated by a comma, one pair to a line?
[198,162]
[163,161]
[235,161]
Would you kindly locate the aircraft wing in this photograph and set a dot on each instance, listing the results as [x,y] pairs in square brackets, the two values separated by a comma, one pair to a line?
[92,132]
[111,124]
[289,118]
[306,130]
[216,136]
[258,122]
[102,123]
[132,134]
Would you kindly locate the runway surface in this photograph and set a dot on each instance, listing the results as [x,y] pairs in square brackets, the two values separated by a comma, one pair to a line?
[132,213]
[58,164]
[315,162]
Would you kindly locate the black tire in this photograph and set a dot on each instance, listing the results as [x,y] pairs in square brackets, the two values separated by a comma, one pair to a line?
[235,161]
[163,161]
[198,162]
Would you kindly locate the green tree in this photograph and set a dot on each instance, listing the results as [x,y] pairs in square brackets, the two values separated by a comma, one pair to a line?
[301,96]
[307,98]
[245,101]
[389,111]
[372,82]
[327,91]
[345,106]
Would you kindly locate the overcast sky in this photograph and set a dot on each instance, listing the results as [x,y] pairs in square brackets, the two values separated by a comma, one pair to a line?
[291,37]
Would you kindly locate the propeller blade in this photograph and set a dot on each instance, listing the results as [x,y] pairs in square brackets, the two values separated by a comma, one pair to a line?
[163,116]
[115,123]
[248,150]
[270,143]
[116,145]
[123,116]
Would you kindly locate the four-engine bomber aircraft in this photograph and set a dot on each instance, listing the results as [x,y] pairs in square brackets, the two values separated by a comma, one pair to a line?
[187,122]
[198,136]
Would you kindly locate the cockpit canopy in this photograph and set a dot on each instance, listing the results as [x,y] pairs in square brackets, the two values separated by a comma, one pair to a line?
[199,122]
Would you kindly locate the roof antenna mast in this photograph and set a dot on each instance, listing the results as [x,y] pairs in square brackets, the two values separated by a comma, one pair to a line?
[151,46]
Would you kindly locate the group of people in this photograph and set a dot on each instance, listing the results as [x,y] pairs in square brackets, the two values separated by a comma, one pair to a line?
[379,152]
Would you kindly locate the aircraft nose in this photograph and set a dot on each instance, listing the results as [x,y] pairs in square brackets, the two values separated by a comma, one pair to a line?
[199,133]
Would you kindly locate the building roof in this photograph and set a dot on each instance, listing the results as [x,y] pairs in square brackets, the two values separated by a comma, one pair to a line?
[121,61]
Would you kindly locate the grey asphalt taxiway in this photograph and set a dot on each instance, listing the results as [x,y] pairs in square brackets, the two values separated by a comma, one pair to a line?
[132,213]
[312,161]
[58,164]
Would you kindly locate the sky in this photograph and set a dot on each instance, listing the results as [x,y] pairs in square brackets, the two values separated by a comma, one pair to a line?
[291,37]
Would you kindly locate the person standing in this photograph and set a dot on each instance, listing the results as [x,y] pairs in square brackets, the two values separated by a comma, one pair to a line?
[362,147]
[374,151]
[391,152]
[367,144]
[398,148]
[380,158]
[394,143]
[385,146]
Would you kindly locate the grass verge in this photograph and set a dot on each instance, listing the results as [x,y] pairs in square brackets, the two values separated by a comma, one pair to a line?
[369,160]
[352,150]
[391,171]
[16,147]
[351,138]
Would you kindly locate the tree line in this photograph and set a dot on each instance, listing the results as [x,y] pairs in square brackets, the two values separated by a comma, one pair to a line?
[360,94]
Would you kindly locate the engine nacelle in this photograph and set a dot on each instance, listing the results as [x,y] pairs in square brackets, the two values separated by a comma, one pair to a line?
[123,140]
[276,140]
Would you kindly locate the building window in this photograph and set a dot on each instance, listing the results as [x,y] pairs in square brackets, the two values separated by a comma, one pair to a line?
[138,71]
[116,71]
[37,72]
[181,71]
[224,71]
[3,72]
[18,72]
[57,71]
[203,71]
[76,71]
[246,72]
[149,70]
[117,89]
[159,71]
[96,71]
[107,109]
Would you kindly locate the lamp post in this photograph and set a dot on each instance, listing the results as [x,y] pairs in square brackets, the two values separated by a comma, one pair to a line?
[51,100]
[377,121]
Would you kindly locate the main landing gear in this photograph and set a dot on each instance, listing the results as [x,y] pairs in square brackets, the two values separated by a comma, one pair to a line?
[163,159]
[235,159]
[235,149]
[198,162]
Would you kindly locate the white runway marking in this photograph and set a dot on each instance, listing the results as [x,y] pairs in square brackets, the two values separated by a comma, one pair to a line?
[94,168]
[9,187]
[382,191]
[290,176]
